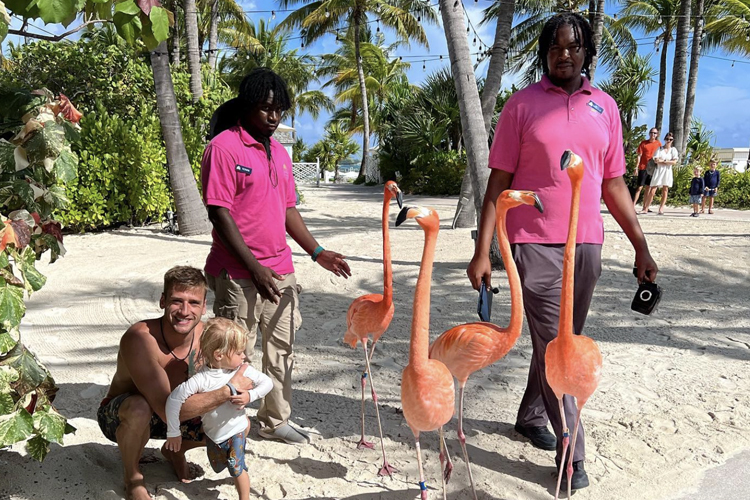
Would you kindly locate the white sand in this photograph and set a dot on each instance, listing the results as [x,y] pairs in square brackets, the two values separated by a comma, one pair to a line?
[673,400]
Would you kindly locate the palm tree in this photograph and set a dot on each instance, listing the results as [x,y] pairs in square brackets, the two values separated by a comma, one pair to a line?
[654,16]
[679,74]
[503,12]
[728,27]
[335,146]
[597,26]
[326,16]
[616,39]
[193,217]
[193,49]
[693,71]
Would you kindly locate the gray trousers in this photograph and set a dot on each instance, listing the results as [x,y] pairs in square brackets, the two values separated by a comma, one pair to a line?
[540,268]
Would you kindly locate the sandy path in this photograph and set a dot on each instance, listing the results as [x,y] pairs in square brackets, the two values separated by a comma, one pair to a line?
[673,399]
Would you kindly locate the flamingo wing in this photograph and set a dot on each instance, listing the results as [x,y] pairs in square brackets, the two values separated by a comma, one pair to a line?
[366,317]
[467,348]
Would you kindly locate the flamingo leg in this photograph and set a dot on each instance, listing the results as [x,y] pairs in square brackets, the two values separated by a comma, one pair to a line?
[387,468]
[422,486]
[566,439]
[443,448]
[362,442]
[573,447]
[446,464]
[462,437]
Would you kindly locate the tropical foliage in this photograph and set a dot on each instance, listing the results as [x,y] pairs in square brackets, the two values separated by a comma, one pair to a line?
[34,166]
[335,146]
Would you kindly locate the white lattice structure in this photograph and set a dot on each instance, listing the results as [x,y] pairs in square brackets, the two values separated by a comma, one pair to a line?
[372,172]
[306,173]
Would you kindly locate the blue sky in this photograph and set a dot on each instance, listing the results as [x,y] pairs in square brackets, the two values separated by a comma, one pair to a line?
[722,99]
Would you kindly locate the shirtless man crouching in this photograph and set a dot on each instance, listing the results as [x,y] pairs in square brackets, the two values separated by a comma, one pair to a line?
[155,356]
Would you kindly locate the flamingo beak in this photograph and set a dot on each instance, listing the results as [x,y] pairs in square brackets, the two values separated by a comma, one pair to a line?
[400,199]
[402,215]
[538,203]
[565,160]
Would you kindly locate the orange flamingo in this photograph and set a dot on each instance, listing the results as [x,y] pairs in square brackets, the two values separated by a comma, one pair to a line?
[427,391]
[573,362]
[467,348]
[370,315]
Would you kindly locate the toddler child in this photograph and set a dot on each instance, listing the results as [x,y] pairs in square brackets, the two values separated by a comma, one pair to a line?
[226,427]
[696,191]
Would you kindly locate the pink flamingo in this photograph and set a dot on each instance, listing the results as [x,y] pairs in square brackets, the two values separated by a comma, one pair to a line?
[573,362]
[427,391]
[467,348]
[370,315]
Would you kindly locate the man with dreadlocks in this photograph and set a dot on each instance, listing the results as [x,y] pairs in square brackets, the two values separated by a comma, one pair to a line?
[562,111]
[248,188]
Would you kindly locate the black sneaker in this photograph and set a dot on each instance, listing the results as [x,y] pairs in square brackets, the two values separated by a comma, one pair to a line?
[578,480]
[540,437]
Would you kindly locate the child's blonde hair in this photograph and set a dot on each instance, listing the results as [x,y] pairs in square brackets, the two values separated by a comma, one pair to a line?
[222,335]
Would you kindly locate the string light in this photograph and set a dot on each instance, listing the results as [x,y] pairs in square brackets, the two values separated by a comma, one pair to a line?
[455,5]
[424,65]
[659,20]
[733,64]
[273,14]
[327,14]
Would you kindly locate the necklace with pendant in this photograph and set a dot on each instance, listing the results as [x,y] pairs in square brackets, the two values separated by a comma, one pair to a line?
[164,339]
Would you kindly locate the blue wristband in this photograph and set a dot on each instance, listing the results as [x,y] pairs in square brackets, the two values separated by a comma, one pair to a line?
[317,252]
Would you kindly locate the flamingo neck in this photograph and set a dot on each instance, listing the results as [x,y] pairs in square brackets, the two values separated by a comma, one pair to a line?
[420,325]
[516,295]
[387,269]
[565,327]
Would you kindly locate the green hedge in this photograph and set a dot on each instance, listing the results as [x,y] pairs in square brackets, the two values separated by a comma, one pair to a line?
[435,173]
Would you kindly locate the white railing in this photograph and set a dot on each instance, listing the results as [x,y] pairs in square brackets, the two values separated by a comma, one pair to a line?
[307,173]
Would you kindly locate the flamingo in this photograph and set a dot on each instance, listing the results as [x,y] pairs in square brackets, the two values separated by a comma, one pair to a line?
[573,362]
[427,391]
[467,348]
[370,315]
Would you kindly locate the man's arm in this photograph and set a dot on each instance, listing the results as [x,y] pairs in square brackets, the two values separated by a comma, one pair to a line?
[480,266]
[262,277]
[617,198]
[297,229]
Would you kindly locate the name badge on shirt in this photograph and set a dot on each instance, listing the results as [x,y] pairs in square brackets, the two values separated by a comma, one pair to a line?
[595,107]
[244,170]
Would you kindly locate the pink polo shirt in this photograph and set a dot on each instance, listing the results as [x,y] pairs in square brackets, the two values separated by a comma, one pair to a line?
[536,126]
[237,175]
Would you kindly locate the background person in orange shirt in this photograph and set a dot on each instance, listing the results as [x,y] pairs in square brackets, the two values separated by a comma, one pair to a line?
[646,150]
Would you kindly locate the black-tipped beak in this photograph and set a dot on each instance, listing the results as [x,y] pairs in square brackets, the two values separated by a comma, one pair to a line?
[538,203]
[400,199]
[565,160]
[402,216]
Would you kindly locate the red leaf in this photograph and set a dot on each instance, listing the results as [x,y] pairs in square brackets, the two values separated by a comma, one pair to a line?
[23,233]
[146,5]
[68,110]
[32,404]
[53,228]
[36,217]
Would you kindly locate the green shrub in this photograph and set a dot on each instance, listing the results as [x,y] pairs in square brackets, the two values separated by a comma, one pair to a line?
[435,173]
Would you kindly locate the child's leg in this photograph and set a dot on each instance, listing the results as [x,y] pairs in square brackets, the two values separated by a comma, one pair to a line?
[703,204]
[242,483]
[695,208]
[710,204]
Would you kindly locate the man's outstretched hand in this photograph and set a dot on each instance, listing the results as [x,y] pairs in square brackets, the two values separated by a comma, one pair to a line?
[335,263]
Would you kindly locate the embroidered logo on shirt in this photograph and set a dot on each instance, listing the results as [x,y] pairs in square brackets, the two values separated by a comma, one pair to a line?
[244,170]
[595,107]
[284,166]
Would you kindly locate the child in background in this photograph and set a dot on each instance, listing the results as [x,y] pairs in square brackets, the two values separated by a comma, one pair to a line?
[226,428]
[696,191]
[711,178]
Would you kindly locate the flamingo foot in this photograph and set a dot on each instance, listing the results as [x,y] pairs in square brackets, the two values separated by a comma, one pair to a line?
[447,471]
[365,444]
[387,469]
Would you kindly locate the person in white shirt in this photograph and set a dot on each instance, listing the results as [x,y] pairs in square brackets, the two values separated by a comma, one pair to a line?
[665,157]
[226,427]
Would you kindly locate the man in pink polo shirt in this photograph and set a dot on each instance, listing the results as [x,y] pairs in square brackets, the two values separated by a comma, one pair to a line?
[562,111]
[248,188]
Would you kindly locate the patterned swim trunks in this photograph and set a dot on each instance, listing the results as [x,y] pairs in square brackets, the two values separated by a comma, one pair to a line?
[229,454]
[108,416]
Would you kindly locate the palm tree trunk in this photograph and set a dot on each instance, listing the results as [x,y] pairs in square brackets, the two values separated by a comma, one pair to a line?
[472,123]
[662,84]
[679,72]
[193,49]
[597,27]
[497,62]
[213,35]
[692,75]
[363,92]
[176,38]
[193,218]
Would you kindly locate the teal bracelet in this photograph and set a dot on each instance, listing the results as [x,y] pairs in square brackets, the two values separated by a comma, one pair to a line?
[317,252]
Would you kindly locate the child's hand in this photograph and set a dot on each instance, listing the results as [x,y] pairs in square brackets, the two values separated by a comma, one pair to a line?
[240,400]
[174,444]
[240,382]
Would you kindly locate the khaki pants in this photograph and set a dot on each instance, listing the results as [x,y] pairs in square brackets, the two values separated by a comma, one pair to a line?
[239,300]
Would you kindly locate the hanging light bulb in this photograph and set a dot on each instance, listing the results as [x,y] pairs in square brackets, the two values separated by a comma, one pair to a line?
[523,11]
[468,29]
[327,14]
[378,30]
[400,58]
[615,16]
[273,14]
[659,20]
[733,64]
[475,42]
[455,5]
[441,57]
[419,19]
[424,65]
[747,38]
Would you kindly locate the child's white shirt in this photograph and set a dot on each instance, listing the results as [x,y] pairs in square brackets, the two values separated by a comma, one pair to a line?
[225,421]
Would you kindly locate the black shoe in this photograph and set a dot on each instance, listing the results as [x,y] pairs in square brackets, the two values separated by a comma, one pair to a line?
[578,480]
[540,437]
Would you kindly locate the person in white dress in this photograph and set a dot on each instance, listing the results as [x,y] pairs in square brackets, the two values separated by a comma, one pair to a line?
[223,350]
[665,157]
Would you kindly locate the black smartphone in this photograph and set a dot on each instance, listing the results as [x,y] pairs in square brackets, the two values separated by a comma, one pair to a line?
[646,298]
[484,305]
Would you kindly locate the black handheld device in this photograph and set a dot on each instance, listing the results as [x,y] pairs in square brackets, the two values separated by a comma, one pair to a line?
[484,305]
[646,298]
